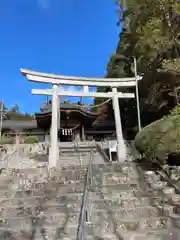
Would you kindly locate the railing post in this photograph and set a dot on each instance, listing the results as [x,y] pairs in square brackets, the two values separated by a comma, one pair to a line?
[110,154]
[137,95]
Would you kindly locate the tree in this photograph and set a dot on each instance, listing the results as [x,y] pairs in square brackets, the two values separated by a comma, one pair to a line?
[15,108]
[2,106]
[151,33]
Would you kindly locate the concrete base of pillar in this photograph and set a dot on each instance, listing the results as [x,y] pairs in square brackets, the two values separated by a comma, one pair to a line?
[52,161]
[121,151]
[47,138]
[77,138]
[17,139]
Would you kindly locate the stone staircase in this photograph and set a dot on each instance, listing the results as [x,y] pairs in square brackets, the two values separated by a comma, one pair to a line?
[31,200]
[124,208]
[122,200]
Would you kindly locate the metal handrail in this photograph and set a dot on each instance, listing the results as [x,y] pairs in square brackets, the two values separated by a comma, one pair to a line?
[82,216]
[100,149]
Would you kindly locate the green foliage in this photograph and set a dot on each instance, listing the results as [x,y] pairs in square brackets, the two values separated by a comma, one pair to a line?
[119,66]
[150,32]
[175,111]
[160,139]
[18,116]
[2,106]
[6,140]
[15,108]
[31,139]
[172,65]
[15,114]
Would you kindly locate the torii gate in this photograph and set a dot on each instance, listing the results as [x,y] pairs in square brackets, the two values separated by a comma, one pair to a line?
[56,80]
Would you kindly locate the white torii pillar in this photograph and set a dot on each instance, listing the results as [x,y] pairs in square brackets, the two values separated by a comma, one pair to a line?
[54,148]
[59,113]
[121,148]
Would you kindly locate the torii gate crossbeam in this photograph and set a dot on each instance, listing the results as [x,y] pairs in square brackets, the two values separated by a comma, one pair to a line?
[82,94]
[56,80]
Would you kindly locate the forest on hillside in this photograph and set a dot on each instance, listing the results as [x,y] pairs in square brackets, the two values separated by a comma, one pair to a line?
[151,34]
[14,113]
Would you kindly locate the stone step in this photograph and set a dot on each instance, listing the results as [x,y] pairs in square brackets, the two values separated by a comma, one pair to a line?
[31,173]
[33,201]
[47,192]
[31,210]
[125,208]
[23,184]
[115,167]
[67,163]
[26,172]
[54,234]
[41,233]
[134,211]
[111,169]
[70,230]
[61,185]
[128,232]
[115,233]
[170,234]
[111,172]
[97,207]
[96,200]
[48,221]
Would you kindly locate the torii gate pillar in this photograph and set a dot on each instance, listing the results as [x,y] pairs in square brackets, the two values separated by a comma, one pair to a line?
[54,148]
[121,148]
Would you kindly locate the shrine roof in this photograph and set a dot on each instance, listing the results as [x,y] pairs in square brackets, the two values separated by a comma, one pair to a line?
[16,124]
[46,109]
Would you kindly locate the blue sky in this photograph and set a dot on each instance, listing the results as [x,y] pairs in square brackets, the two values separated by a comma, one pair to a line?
[68,37]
